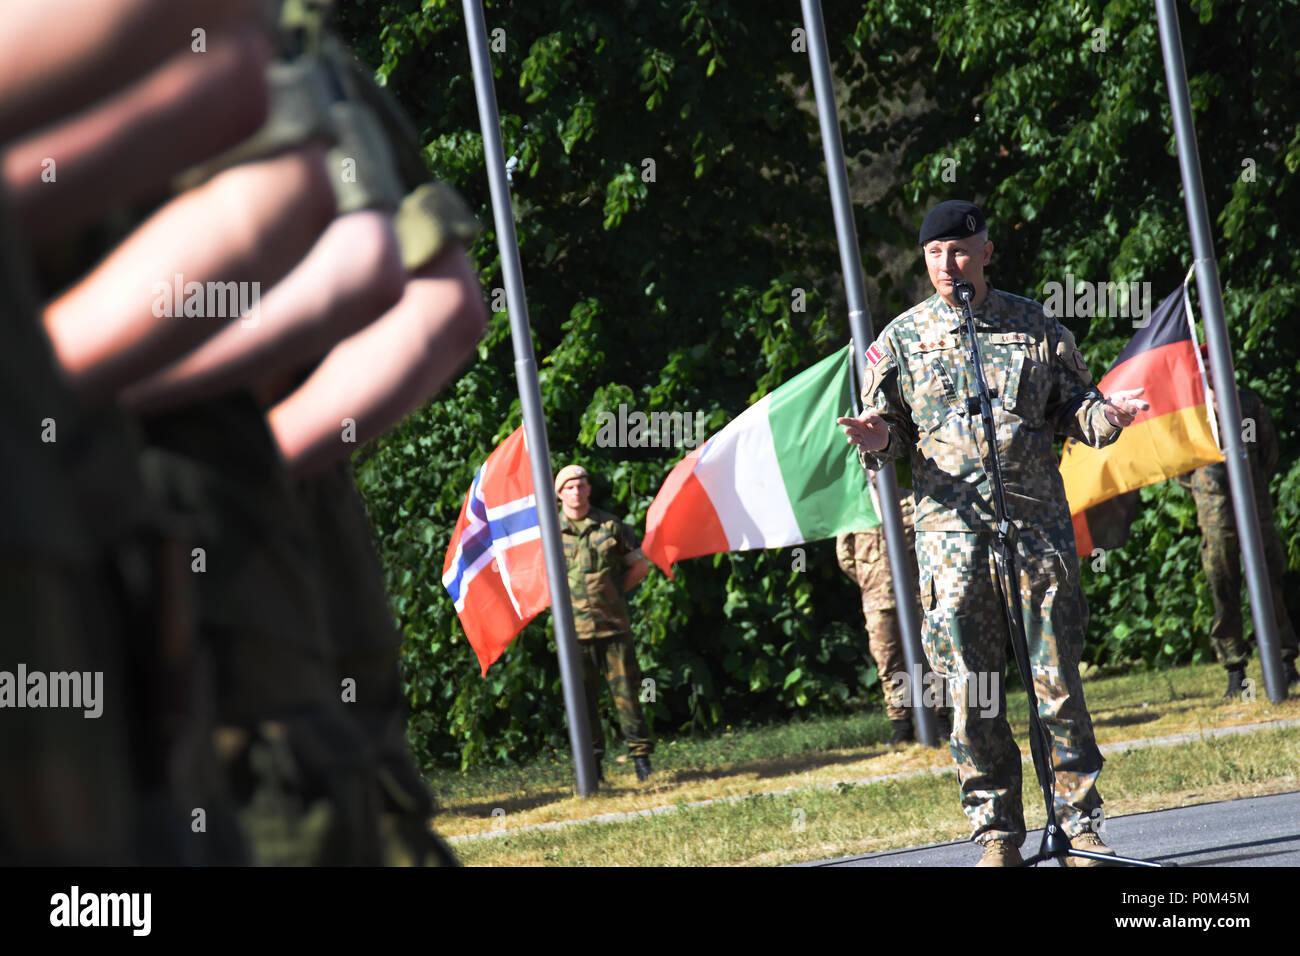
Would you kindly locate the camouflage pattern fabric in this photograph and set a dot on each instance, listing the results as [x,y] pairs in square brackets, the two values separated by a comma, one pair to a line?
[614,658]
[965,637]
[366,643]
[1221,547]
[864,557]
[1209,484]
[599,550]
[298,768]
[917,378]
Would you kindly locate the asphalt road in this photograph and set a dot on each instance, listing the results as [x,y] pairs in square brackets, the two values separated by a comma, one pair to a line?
[1252,831]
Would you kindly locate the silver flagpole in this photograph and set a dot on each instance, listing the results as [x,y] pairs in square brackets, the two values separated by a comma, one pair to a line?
[530,397]
[1216,334]
[904,573]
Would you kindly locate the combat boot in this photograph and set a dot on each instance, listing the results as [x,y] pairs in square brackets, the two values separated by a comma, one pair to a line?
[1236,677]
[1091,842]
[643,769]
[1292,678]
[1001,853]
[903,733]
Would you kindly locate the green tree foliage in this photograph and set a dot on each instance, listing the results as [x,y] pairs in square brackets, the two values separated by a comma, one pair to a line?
[679,255]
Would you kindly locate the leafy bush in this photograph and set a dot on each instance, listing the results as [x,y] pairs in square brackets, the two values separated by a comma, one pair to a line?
[704,285]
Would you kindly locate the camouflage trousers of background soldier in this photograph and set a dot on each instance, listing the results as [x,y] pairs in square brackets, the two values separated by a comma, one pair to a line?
[614,660]
[1221,559]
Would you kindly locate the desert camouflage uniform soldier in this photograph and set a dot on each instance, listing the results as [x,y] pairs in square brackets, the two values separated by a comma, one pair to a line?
[862,555]
[604,559]
[1221,547]
[917,384]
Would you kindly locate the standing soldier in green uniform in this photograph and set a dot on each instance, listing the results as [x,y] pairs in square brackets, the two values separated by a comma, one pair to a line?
[1221,549]
[915,390]
[863,557]
[604,559]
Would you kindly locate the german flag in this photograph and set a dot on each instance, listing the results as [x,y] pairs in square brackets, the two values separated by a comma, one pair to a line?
[1171,438]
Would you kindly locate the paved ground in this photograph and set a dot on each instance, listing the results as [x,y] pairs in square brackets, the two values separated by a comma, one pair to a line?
[1252,831]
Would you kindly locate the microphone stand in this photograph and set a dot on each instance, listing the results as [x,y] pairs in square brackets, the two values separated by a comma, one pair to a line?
[1055,845]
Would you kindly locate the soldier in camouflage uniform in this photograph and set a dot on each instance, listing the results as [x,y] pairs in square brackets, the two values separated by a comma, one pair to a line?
[862,555]
[91,579]
[1221,548]
[915,392]
[604,560]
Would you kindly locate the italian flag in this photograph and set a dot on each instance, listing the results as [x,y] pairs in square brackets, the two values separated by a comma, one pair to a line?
[780,474]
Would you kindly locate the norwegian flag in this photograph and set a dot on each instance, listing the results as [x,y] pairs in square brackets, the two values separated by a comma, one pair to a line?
[495,571]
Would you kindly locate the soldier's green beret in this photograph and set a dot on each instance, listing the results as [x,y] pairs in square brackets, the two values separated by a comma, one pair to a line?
[952,219]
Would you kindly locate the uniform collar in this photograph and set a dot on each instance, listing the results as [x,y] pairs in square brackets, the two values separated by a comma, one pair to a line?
[987,313]
[579,525]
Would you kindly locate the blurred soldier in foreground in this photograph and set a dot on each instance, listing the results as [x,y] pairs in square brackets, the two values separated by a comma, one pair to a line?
[914,395]
[863,557]
[312,782]
[1221,548]
[604,559]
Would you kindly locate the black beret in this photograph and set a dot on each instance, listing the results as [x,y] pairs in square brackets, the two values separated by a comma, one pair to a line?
[953,219]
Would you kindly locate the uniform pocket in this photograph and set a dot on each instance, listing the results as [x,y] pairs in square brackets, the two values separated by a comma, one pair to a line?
[1028,383]
[935,390]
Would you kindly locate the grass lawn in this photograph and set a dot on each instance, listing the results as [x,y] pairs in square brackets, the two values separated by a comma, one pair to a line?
[806,801]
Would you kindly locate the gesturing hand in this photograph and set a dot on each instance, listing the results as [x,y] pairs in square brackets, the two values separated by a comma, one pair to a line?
[1122,407]
[869,431]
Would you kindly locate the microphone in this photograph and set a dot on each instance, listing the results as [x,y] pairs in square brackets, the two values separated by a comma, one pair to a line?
[964,289]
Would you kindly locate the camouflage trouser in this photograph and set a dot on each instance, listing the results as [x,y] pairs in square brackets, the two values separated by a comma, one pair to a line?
[884,637]
[615,659]
[884,631]
[965,637]
[1221,559]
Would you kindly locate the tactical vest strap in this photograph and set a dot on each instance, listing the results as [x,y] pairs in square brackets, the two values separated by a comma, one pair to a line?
[301,93]
[360,163]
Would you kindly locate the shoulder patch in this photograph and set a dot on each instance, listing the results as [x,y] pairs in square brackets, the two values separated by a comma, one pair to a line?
[879,361]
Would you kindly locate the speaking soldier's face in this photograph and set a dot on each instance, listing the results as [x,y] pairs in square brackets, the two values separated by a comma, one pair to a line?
[947,260]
